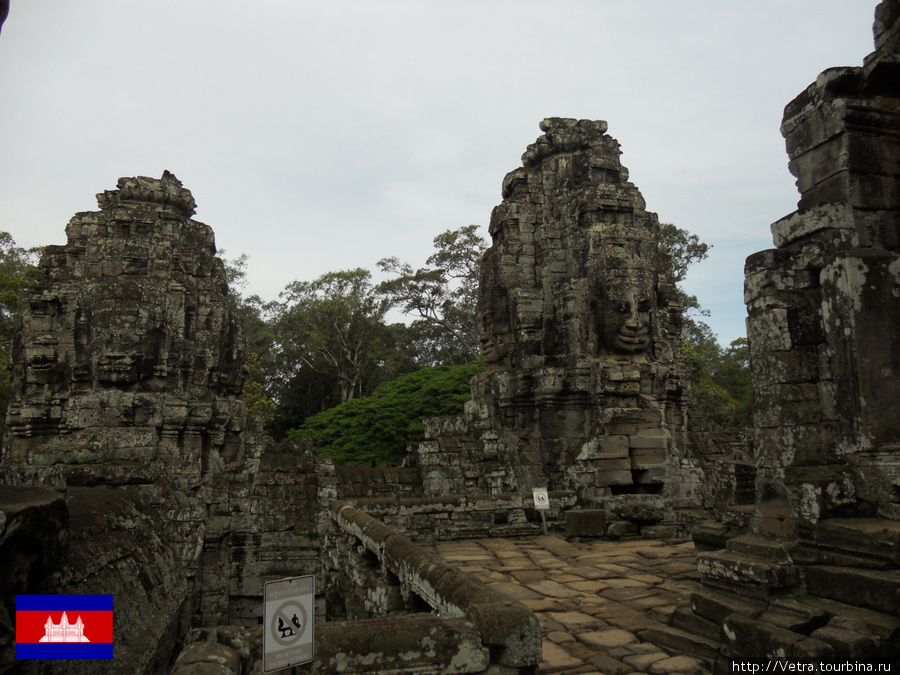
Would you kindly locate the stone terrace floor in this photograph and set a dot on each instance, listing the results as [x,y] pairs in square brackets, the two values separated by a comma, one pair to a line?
[591,598]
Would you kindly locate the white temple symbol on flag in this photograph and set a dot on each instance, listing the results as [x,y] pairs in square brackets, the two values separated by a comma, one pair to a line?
[64,631]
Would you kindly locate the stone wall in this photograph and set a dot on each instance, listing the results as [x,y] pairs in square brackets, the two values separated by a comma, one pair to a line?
[406,610]
[817,578]
[377,572]
[467,516]
[362,482]
[34,537]
[271,527]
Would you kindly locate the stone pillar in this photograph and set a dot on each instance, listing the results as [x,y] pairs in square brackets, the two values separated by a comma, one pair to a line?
[823,307]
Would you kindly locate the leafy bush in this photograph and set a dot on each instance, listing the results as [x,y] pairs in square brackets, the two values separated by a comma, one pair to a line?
[374,431]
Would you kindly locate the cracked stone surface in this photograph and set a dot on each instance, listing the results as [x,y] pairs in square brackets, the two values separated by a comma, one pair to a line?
[594,629]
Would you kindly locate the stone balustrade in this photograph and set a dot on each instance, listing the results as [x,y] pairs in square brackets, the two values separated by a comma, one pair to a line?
[417,614]
[386,574]
[509,514]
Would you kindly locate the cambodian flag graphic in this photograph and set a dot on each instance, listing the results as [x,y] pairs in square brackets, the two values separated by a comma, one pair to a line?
[64,626]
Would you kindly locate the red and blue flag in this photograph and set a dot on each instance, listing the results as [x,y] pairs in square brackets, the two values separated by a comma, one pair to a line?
[64,626]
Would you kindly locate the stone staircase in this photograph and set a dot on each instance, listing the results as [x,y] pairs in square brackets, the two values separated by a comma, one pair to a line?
[832,595]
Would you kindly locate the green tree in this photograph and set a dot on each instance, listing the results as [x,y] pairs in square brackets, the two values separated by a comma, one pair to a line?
[255,316]
[377,429]
[720,382]
[443,295]
[682,249]
[17,273]
[334,326]
[720,378]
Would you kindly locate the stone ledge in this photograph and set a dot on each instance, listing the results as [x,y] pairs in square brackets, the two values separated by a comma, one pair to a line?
[506,626]
[414,643]
[864,588]
[763,640]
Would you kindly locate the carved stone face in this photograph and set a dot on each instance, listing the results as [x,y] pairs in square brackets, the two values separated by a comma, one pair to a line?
[126,341]
[625,318]
[493,349]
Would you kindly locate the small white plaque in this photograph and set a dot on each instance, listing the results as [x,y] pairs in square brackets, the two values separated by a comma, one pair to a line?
[289,611]
[541,498]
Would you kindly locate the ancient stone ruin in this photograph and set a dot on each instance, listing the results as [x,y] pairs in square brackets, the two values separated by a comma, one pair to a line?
[817,576]
[586,384]
[131,357]
[131,466]
[127,374]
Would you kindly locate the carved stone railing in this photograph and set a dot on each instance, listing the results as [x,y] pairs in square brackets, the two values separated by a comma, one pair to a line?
[390,576]
[418,615]
[509,514]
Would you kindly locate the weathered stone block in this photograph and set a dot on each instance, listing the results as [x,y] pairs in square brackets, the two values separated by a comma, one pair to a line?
[681,642]
[614,446]
[794,616]
[865,588]
[648,458]
[208,658]
[851,640]
[747,636]
[737,568]
[396,644]
[622,528]
[717,605]
[587,523]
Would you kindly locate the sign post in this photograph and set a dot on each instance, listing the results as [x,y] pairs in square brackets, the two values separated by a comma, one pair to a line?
[541,503]
[289,612]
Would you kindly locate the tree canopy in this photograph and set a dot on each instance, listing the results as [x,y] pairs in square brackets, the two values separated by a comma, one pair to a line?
[376,430]
[720,377]
[334,326]
[443,295]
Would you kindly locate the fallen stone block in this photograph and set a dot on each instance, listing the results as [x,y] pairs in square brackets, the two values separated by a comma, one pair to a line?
[794,616]
[747,638]
[684,618]
[587,523]
[677,641]
[865,588]
[851,640]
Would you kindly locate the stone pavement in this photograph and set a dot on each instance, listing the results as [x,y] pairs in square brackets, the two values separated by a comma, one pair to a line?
[593,599]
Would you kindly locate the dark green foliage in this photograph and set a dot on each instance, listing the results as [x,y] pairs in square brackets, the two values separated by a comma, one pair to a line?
[309,392]
[374,431]
[720,381]
[681,248]
[720,378]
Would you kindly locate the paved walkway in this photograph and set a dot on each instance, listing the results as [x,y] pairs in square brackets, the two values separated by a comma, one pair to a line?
[591,598]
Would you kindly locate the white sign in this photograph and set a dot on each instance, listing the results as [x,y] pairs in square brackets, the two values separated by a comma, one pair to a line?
[289,611]
[541,498]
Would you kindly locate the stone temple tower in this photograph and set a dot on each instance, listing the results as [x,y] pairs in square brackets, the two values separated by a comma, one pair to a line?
[585,388]
[129,363]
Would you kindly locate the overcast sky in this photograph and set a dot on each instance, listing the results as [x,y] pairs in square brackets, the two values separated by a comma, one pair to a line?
[319,136]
